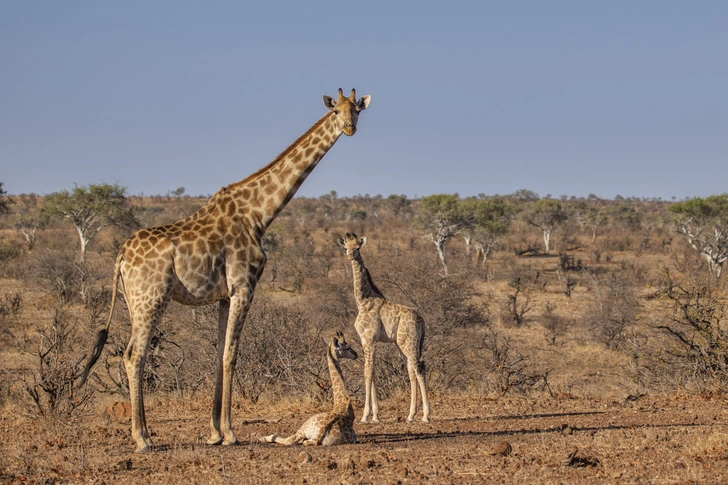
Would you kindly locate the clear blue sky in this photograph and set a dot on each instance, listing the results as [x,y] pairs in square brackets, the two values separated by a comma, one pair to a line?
[558,97]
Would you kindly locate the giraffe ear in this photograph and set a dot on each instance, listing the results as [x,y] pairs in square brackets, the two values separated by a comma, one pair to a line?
[362,241]
[329,103]
[363,102]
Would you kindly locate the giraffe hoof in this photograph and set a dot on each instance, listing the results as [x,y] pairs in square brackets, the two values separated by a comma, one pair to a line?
[230,442]
[268,439]
[425,420]
[215,441]
[375,421]
[143,449]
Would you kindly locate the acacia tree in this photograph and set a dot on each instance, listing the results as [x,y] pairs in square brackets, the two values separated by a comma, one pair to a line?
[704,223]
[490,220]
[546,214]
[589,215]
[442,216]
[28,225]
[91,209]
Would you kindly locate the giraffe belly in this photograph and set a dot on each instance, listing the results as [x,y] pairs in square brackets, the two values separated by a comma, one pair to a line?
[199,294]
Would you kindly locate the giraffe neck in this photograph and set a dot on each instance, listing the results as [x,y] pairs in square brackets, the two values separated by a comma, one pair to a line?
[262,196]
[363,285]
[341,396]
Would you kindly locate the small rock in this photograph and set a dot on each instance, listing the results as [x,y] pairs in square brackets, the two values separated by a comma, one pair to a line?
[304,457]
[568,430]
[503,448]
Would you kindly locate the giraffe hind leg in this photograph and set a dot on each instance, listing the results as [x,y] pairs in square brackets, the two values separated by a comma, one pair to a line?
[134,362]
[422,379]
[216,436]
[413,390]
[291,440]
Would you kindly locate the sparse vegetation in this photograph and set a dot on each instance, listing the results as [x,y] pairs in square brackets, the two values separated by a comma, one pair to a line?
[633,311]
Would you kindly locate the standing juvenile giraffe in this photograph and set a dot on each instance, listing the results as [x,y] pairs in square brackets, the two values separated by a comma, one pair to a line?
[337,426]
[214,255]
[380,320]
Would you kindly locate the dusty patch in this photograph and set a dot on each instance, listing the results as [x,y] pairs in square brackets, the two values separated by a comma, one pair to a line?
[658,440]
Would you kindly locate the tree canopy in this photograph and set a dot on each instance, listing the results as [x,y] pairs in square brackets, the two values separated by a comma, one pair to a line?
[704,222]
[91,209]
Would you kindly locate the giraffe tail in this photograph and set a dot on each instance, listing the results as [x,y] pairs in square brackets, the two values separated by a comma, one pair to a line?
[103,333]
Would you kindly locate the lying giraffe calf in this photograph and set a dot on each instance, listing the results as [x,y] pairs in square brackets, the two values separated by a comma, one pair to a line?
[337,426]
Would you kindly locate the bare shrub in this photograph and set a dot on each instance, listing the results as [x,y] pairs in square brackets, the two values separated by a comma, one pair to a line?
[47,384]
[613,308]
[507,370]
[554,326]
[569,262]
[296,262]
[567,282]
[517,305]
[11,304]
[695,353]
[281,353]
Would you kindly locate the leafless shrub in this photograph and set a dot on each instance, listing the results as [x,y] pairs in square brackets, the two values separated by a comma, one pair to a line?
[295,262]
[518,273]
[696,352]
[567,282]
[57,274]
[613,308]
[11,304]
[517,305]
[569,262]
[507,370]
[554,326]
[282,352]
[55,363]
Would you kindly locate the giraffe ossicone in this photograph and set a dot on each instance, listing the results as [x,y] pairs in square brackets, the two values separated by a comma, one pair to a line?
[214,255]
[335,427]
[380,320]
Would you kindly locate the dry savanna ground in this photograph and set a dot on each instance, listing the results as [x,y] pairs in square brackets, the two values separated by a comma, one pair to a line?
[601,360]
[644,439]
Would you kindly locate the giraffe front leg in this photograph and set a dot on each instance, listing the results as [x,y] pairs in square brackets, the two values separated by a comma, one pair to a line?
[239,305]
[216,436]
[375,400]
[368,375]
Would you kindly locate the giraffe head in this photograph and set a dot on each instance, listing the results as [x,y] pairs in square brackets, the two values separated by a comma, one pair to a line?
[347,110]
[341,348]
[352,244]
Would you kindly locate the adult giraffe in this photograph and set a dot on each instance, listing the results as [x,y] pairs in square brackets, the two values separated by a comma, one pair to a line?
[214,255]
